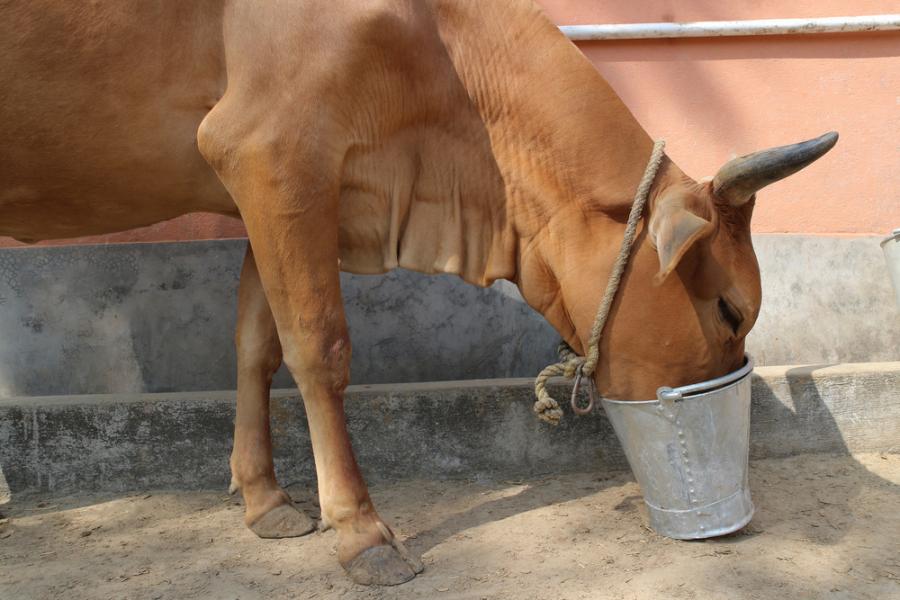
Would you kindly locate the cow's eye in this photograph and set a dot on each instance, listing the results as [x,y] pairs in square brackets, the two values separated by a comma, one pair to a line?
[730,315]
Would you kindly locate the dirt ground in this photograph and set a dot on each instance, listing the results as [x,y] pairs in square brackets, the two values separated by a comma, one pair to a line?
[825,527]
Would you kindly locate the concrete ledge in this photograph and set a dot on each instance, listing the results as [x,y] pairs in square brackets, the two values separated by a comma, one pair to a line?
[464,429]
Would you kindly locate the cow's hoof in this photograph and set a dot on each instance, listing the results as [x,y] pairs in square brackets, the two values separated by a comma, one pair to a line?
[283,521]
[380,565]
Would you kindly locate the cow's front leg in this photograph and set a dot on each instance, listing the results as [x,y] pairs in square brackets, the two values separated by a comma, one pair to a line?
[304,292]
[289,204]
[268,512]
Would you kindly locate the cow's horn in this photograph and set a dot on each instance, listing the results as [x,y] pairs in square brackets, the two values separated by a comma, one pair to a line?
[742,177]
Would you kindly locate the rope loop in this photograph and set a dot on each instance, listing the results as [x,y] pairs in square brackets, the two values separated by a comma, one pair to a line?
[570,364]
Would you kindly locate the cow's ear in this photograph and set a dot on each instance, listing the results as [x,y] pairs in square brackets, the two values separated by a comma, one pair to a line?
[674,228]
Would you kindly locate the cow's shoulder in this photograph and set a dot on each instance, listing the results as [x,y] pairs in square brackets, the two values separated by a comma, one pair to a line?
[398,28]
[381,17]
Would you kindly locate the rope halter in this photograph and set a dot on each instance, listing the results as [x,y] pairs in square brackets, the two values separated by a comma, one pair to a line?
[571,365]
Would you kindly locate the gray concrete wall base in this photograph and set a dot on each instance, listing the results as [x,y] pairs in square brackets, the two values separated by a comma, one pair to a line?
[160,317]
[825,300]
[439,430]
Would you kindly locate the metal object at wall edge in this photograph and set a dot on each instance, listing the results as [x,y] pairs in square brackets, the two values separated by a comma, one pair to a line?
[891,248]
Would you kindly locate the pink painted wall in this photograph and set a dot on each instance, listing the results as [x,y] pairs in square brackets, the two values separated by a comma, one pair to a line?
[713,98]
[717,97]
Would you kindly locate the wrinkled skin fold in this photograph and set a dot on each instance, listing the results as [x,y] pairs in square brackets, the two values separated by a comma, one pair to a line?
[441,136]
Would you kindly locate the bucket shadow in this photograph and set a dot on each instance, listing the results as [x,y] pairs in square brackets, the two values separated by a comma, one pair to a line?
[809,428]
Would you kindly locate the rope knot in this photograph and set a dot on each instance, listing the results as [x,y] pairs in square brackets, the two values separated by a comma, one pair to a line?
[574,367]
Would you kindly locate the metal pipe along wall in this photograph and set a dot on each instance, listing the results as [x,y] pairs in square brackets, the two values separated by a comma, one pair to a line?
[631,31]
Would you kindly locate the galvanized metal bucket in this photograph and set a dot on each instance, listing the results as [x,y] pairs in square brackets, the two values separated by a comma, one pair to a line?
[891,247]
[688,450]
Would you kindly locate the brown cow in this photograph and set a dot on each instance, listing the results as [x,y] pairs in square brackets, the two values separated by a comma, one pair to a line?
[444,136]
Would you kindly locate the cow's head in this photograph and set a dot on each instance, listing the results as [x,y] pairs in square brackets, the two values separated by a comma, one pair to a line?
[692,289]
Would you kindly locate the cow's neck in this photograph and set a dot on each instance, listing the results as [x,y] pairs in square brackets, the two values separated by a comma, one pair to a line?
[569,152]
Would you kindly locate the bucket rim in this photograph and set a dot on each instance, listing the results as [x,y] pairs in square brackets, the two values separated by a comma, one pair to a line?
[693,390]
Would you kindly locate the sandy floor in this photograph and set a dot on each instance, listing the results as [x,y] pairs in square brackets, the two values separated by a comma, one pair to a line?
[826,527]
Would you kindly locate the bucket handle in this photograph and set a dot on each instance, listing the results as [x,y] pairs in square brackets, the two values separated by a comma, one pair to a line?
[668,395]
